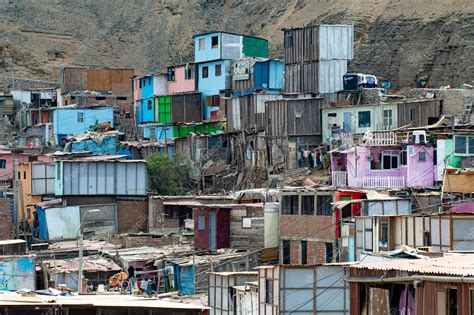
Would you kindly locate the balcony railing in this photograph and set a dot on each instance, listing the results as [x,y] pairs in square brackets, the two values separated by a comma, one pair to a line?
[379,138]
[339,179]
[382,182]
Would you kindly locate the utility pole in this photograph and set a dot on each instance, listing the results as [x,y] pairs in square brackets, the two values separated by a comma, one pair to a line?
[15,198]
[80,269]
[194,268]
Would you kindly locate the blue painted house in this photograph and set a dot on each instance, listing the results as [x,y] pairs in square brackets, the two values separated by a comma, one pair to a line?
[76,121]
[214,51]
[251,75]
[145,89]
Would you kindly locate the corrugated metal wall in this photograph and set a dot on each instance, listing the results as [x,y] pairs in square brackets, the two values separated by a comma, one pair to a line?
[330,75]
[248,111]
[102,178]
[186,108]
[302,78]
[301,44]
[293,117]
[105,80]
[421,111]
[336,42]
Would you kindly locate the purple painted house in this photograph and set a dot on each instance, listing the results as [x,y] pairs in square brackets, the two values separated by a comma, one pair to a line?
[379,162]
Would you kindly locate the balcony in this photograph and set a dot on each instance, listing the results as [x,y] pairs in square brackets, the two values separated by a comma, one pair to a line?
[339,179]
[382,182]
[380,138]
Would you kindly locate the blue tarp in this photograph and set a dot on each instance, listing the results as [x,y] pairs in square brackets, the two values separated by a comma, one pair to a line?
[43,227]
[105,146]
[184,279]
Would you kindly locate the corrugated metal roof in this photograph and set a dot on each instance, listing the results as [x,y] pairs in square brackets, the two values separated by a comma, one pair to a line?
[235,273]
[48,204]
[90,264]
[456,265]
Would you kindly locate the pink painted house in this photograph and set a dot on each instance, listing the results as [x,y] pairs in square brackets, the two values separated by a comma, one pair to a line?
[7,159]
[383,164]
[182,78]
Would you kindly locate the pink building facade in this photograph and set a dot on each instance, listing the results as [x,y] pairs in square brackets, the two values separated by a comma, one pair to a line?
[182,79]
[7,159]
[379,167]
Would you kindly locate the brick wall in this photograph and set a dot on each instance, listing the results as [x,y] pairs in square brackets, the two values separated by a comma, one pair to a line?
[315,229]
[132,216]
[316,252]
[6,227]
[307,226]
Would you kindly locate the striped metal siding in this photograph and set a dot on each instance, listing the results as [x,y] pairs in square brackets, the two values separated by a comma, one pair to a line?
[301,44]
[296,117]
[302,78]
[104,178]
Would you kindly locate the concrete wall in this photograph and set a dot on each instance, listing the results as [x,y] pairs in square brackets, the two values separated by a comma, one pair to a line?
[180,84]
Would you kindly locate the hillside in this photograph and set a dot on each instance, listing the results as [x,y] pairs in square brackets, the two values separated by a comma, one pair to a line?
[396,39]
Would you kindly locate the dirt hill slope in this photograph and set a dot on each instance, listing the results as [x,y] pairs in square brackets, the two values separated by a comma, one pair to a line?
[395,39]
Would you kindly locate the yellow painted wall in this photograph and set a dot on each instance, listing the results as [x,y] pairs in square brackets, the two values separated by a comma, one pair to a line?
[24,191]
[458,183]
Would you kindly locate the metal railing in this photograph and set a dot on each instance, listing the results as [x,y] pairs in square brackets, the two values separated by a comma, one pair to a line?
[382,182]
[382,138]
[339,179]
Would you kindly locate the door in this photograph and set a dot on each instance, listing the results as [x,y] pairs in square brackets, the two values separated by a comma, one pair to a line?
[346,127]
[212,230]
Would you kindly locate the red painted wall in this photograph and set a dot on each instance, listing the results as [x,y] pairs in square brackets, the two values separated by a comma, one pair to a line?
[201,238]
[355,207]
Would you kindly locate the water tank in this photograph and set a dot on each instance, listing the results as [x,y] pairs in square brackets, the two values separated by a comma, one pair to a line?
[271,225]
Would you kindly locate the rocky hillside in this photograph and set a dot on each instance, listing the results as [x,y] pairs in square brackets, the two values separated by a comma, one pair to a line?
[395,39]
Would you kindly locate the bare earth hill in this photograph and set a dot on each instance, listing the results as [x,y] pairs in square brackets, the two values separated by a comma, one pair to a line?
[400,40]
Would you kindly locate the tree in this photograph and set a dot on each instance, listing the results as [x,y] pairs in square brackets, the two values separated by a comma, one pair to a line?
[167,175]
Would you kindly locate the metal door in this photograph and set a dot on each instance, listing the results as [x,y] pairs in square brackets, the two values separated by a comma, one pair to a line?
[346,127]
[212,230]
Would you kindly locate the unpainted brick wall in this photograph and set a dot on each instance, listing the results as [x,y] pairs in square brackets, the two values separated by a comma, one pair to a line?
[310,226]
[132,216]
[6,227]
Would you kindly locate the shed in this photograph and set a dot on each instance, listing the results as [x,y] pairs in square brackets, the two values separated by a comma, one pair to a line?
[319,42]
[101,177]
[186,107]
[251,74]
[309,289]
[212,226]
[222,295]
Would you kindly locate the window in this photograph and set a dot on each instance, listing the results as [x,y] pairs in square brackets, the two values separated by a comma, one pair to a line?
[217,70]
[214,41]
[246,223]
[202,43]
[24,174]
[471,305]
[421,156]
[387,118]
[80,117]
[383,237]
[3,163]
[289,204]
[412,114]
[201,223]
[304,252]
[122,98]
[307,205]
[143,82]
[324,205]
[328,252]
[288,42]
[364,119]
[100,98]
[285,250]
[332,114]
[205,72]
[452,301]
[140,83]
[188,73]
[171,74]
[268,291]
[464,145]
[390,160]
[403,157]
